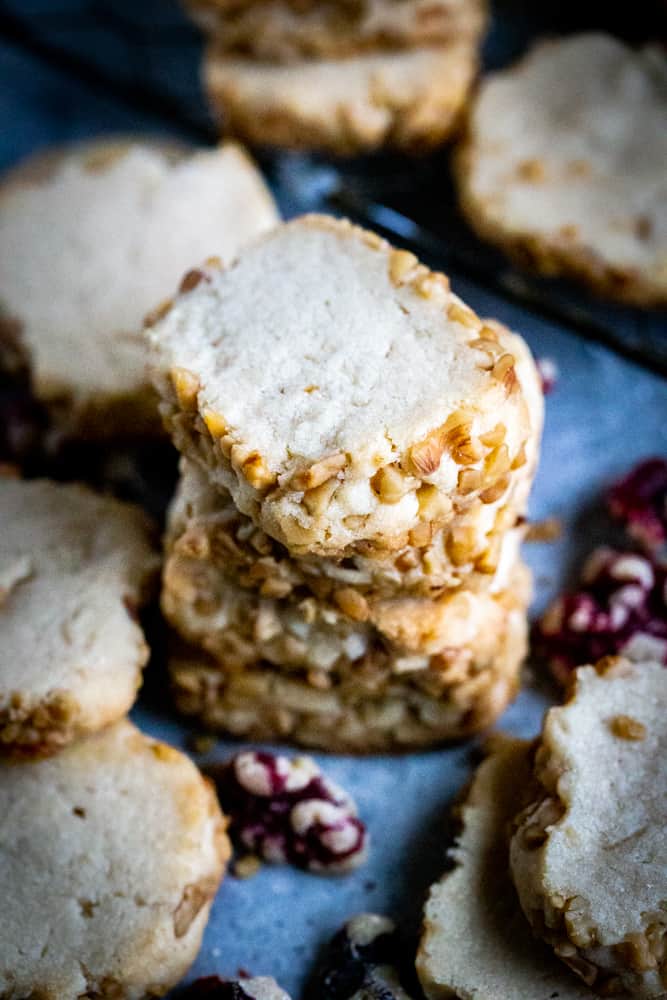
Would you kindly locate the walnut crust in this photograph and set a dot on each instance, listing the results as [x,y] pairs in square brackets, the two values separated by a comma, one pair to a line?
[239,626]
[78,300]
[74,570]
[477,550]
[280,31]
[388,479]
[609,926]
[409,101]
[476,944]
[574,246]
[119,892]
[354,707]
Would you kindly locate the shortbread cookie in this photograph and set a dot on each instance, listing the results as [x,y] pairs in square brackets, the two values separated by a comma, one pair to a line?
[589,858]
[283,31]
[408,100]
[357,706]
[476,943]
[478,549]
[240,627]
[74,568]
[94,237]
[564,165]
[110,856]
[340,392]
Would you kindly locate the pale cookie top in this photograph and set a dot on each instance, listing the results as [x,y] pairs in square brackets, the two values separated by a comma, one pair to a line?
[476,943]
[90,248]
[336,377]
[74,567]
[110,854]
[592,853]
[569,148]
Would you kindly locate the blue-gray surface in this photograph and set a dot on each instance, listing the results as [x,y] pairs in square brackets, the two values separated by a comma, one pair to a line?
[604,414]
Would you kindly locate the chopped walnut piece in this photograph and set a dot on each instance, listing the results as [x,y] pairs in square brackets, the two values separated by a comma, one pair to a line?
[627,728]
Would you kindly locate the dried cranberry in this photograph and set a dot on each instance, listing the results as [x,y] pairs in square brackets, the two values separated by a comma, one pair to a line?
[639,500]
[362,961]
[214,988]
[285,810]
[620,608]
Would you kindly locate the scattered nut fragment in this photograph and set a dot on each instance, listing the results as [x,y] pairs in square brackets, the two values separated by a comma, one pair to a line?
[186,386]
[320,472]
[285,810]
[390,484]
[548,372]
[364,961]
[352,603]
[627,728]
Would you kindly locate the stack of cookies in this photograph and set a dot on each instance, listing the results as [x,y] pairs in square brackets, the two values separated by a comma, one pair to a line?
[107,877]
[342,557]
[346,76]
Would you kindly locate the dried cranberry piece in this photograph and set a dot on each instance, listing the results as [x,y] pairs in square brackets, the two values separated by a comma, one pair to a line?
[620,608]
[214,988]
[285,810]
[362,960]
[639,500]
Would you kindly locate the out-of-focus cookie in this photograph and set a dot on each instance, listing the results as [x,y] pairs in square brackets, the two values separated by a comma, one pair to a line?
[342,394]
[362,705]
[476,943]
[589,857]
[74,569]
[407,100]
[91,239]
[110,856]
[282,31]
[564,160]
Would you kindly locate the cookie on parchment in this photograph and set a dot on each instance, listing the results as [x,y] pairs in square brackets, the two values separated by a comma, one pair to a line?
[74,569]
[563,165]
[342,394]
[589,857]
[408,100]
[110,856]
[283,31]
[476,943]
[95,236]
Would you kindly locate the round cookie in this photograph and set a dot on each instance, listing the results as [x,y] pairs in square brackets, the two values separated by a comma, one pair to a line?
[110,856]
[477,550]
[361,707]
[476,943]
[589,856]
[240,627]
[341,393]
[563,165]
[283,31]
[92,238]
[74,569]
[407,100]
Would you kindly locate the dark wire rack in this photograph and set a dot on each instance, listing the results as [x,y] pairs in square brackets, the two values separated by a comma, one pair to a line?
[143,56]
